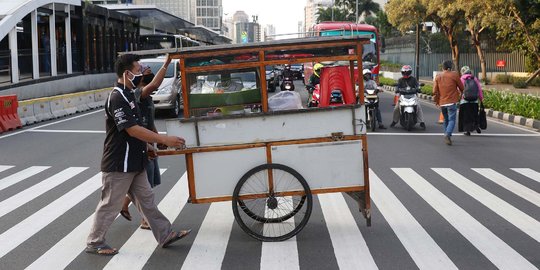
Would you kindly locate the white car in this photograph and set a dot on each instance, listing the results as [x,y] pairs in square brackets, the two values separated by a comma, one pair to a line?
[169,95]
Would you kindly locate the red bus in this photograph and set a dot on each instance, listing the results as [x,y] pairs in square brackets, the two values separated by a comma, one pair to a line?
[370,58]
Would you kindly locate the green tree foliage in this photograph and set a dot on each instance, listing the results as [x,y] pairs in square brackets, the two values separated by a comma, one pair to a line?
[340,14]
[383,25]
[365,7]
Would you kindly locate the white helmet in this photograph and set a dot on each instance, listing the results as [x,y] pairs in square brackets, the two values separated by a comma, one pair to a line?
[366,71]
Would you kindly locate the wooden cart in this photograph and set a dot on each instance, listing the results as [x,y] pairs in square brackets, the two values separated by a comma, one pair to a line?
[268,163]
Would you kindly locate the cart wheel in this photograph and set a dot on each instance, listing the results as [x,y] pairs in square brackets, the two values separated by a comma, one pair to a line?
[267,215]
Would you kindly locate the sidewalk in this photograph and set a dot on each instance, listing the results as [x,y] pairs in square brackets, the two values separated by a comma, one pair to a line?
[533,90]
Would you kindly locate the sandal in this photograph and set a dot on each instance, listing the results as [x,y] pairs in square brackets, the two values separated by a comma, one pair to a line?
[175,236]
[104,250]
[125,214]
[145,226]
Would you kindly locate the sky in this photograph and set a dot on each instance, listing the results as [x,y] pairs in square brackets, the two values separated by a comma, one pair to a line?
[283,14]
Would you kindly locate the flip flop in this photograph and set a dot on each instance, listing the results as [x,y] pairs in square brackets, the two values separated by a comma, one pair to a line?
[125,214]
[145,227]
[102,251]
[175,236]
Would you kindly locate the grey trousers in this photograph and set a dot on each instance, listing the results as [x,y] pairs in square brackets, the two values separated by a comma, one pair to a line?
[397,111]
[115,187]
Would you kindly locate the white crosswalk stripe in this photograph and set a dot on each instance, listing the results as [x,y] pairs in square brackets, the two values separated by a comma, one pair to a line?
[27,195]
[511,185]
[20,176]
[513,215]
[351,249]
[422,248]
[529,173]
[495,249]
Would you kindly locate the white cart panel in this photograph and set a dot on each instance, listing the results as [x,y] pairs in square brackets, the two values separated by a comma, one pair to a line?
[217,173]
[324,165]
[270,127]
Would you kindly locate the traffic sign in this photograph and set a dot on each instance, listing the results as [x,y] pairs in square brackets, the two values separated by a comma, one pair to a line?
[501,63]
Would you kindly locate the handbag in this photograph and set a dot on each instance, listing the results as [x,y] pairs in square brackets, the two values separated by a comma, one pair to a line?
[482,121]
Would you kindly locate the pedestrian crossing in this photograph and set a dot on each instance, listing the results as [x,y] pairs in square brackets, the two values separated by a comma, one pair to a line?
[463,202]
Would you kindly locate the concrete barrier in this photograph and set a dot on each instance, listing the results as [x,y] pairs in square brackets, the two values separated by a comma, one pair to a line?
[42,110]
[57,108]
[26,113]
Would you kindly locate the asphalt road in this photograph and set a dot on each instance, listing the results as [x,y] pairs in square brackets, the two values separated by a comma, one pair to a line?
[472,205]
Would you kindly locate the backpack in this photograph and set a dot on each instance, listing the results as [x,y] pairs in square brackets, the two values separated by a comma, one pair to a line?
[471,91]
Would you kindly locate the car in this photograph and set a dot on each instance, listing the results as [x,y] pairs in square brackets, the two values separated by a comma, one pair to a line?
[168,96]
[298,71]
[272,78]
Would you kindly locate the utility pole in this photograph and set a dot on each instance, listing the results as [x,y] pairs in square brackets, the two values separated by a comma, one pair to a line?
[356,11]
[333,2]
[417,52]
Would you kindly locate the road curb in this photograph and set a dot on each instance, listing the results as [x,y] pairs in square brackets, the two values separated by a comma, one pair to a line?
[505,117]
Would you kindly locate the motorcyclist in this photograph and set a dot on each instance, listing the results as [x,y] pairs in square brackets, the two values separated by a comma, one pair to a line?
[407,80]
[369,83]
[315,78]
[287,72]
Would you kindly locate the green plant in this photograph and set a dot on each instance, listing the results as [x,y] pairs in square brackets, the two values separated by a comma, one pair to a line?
[513,103]
[520,84]
[387,81]
[427,89]
[500,78]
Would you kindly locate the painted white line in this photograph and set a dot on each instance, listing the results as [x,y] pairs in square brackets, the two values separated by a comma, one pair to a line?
[5,167]
[456,134]
[350,248]
[68,248]
[74,131]
[21,232]
[534,175]
[140,246]
[511,185]
[67,131]
[279,255]
[49,124]
[31,193]
[495,249]
[423,249]
[513,215]
[20,176]
[208,249]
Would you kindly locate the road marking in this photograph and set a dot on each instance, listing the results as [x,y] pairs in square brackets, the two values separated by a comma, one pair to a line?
[21,232]
[49,124]
[423,249]
[456,134]
[280,255]
[31,193]
[68,248]
[4,167]
[140,246]
[20,176]
[534,175]
[495,249]
[74,131]
[350,248]
[212,238]
[511,185]
[513,215]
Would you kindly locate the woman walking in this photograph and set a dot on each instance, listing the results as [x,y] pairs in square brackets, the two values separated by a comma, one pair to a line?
[468,105]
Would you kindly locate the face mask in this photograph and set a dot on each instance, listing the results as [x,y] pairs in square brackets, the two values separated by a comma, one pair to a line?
[136,79]
[147,79]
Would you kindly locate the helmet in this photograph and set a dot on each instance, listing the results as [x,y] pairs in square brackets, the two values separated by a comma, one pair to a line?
[367,74]
[317,68]
[406,71]
[466,70]
[287,66]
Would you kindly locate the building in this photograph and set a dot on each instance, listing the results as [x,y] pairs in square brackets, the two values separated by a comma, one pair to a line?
[247,32]
[301,30]
[178,8]
[310,12]
[269,32]
[208,13]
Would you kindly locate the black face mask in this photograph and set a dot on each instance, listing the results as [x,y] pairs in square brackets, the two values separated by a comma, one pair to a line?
[147,79]
[136,80]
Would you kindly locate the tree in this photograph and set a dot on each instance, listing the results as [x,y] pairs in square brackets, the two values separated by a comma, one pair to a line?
[340,14]
[406,14]
[518,26]
[385,28]
[365,7]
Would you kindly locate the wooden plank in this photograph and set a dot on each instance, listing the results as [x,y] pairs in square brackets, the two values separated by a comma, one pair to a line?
[264,85]
[366,180]
[360,93]
[270,172]
[185,88]
[191,176]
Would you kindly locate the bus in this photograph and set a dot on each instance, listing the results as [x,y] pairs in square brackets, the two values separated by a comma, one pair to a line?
[371,51]
[165,41]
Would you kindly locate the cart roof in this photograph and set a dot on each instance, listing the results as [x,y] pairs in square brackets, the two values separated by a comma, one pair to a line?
[252,45]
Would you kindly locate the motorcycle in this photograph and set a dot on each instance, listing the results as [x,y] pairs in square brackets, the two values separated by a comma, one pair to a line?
[287,84]
[408,102]
[314,95]
[371,100]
